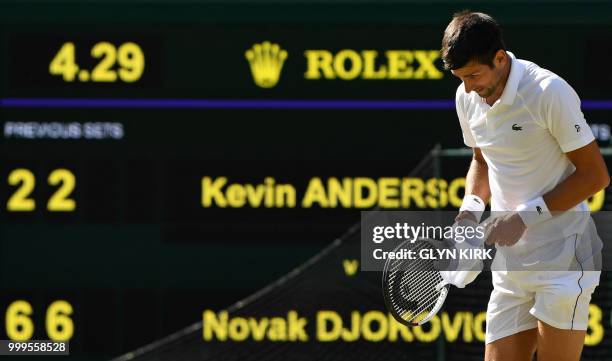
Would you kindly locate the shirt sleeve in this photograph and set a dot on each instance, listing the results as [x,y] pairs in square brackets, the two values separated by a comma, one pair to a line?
[564,118]
[468,138]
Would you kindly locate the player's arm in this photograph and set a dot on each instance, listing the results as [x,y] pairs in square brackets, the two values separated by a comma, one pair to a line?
[590,177]
[477,192]
[562,115]
[476,184]
[477,179]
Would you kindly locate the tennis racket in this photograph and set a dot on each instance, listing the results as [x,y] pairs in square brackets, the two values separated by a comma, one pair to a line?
[413,289]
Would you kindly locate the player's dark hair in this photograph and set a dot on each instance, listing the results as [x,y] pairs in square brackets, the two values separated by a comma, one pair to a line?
[471,36]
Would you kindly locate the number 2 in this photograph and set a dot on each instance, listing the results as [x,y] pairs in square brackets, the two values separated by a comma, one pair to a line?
[59,201]
[20,202]
[102,71]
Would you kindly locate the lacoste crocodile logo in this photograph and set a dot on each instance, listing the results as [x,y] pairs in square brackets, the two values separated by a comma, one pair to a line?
[516,127]
[539,209]
[577,128]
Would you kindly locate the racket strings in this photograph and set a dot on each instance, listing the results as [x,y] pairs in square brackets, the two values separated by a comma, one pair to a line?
[428,300]
[420,293]
[415,294]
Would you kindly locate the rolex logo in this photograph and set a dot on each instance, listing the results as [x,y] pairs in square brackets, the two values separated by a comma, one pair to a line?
[266,62]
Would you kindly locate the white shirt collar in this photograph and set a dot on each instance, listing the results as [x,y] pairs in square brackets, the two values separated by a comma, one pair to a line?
[516,73]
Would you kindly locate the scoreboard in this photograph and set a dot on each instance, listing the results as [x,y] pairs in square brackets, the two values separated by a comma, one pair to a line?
[145,167]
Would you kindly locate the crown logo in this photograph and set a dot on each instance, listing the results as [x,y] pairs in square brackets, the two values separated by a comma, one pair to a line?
[266,62]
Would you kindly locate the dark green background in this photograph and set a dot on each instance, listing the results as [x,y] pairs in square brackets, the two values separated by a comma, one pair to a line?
[115,259]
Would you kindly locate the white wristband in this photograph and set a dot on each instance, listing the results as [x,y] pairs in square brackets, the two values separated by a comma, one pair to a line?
[534,211]
[474,204]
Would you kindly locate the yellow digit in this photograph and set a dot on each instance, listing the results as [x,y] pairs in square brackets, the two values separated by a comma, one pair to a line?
[132,62]
[63,63]
[102,72]
[19,327]
[597,200]
[596,329]
[59,201]
[20,202]
[60,326]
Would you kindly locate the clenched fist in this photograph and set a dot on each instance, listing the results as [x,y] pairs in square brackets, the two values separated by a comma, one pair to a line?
[505,230]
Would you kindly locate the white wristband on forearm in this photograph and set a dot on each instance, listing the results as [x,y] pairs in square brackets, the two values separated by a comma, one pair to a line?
[474,204]
[534,211]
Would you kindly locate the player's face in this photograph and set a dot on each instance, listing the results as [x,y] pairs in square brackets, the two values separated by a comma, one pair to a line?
[481,78]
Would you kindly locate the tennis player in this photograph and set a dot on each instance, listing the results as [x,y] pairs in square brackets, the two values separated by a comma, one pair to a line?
[535,159]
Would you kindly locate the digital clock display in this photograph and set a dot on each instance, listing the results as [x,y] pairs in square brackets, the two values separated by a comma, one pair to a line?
[70,59]
[125,62]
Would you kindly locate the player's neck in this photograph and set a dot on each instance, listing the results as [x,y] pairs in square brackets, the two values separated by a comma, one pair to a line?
[502,84]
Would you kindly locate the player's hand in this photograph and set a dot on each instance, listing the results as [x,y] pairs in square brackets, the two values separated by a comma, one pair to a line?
[505,230]
[466,215]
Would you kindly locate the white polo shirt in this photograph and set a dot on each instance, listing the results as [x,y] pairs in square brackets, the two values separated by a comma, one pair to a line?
[523,137]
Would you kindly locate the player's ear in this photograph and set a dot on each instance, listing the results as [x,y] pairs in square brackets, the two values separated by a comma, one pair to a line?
[500,57]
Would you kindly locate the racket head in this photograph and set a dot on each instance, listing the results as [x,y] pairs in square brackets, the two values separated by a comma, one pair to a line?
[411,286]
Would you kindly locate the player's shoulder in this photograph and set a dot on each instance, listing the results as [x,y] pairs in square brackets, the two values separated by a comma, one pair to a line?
[460,92]
[462,98]
[542,82]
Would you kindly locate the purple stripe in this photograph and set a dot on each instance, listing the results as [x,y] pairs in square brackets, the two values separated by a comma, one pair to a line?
[414,104]
[225,103]
[597,104]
